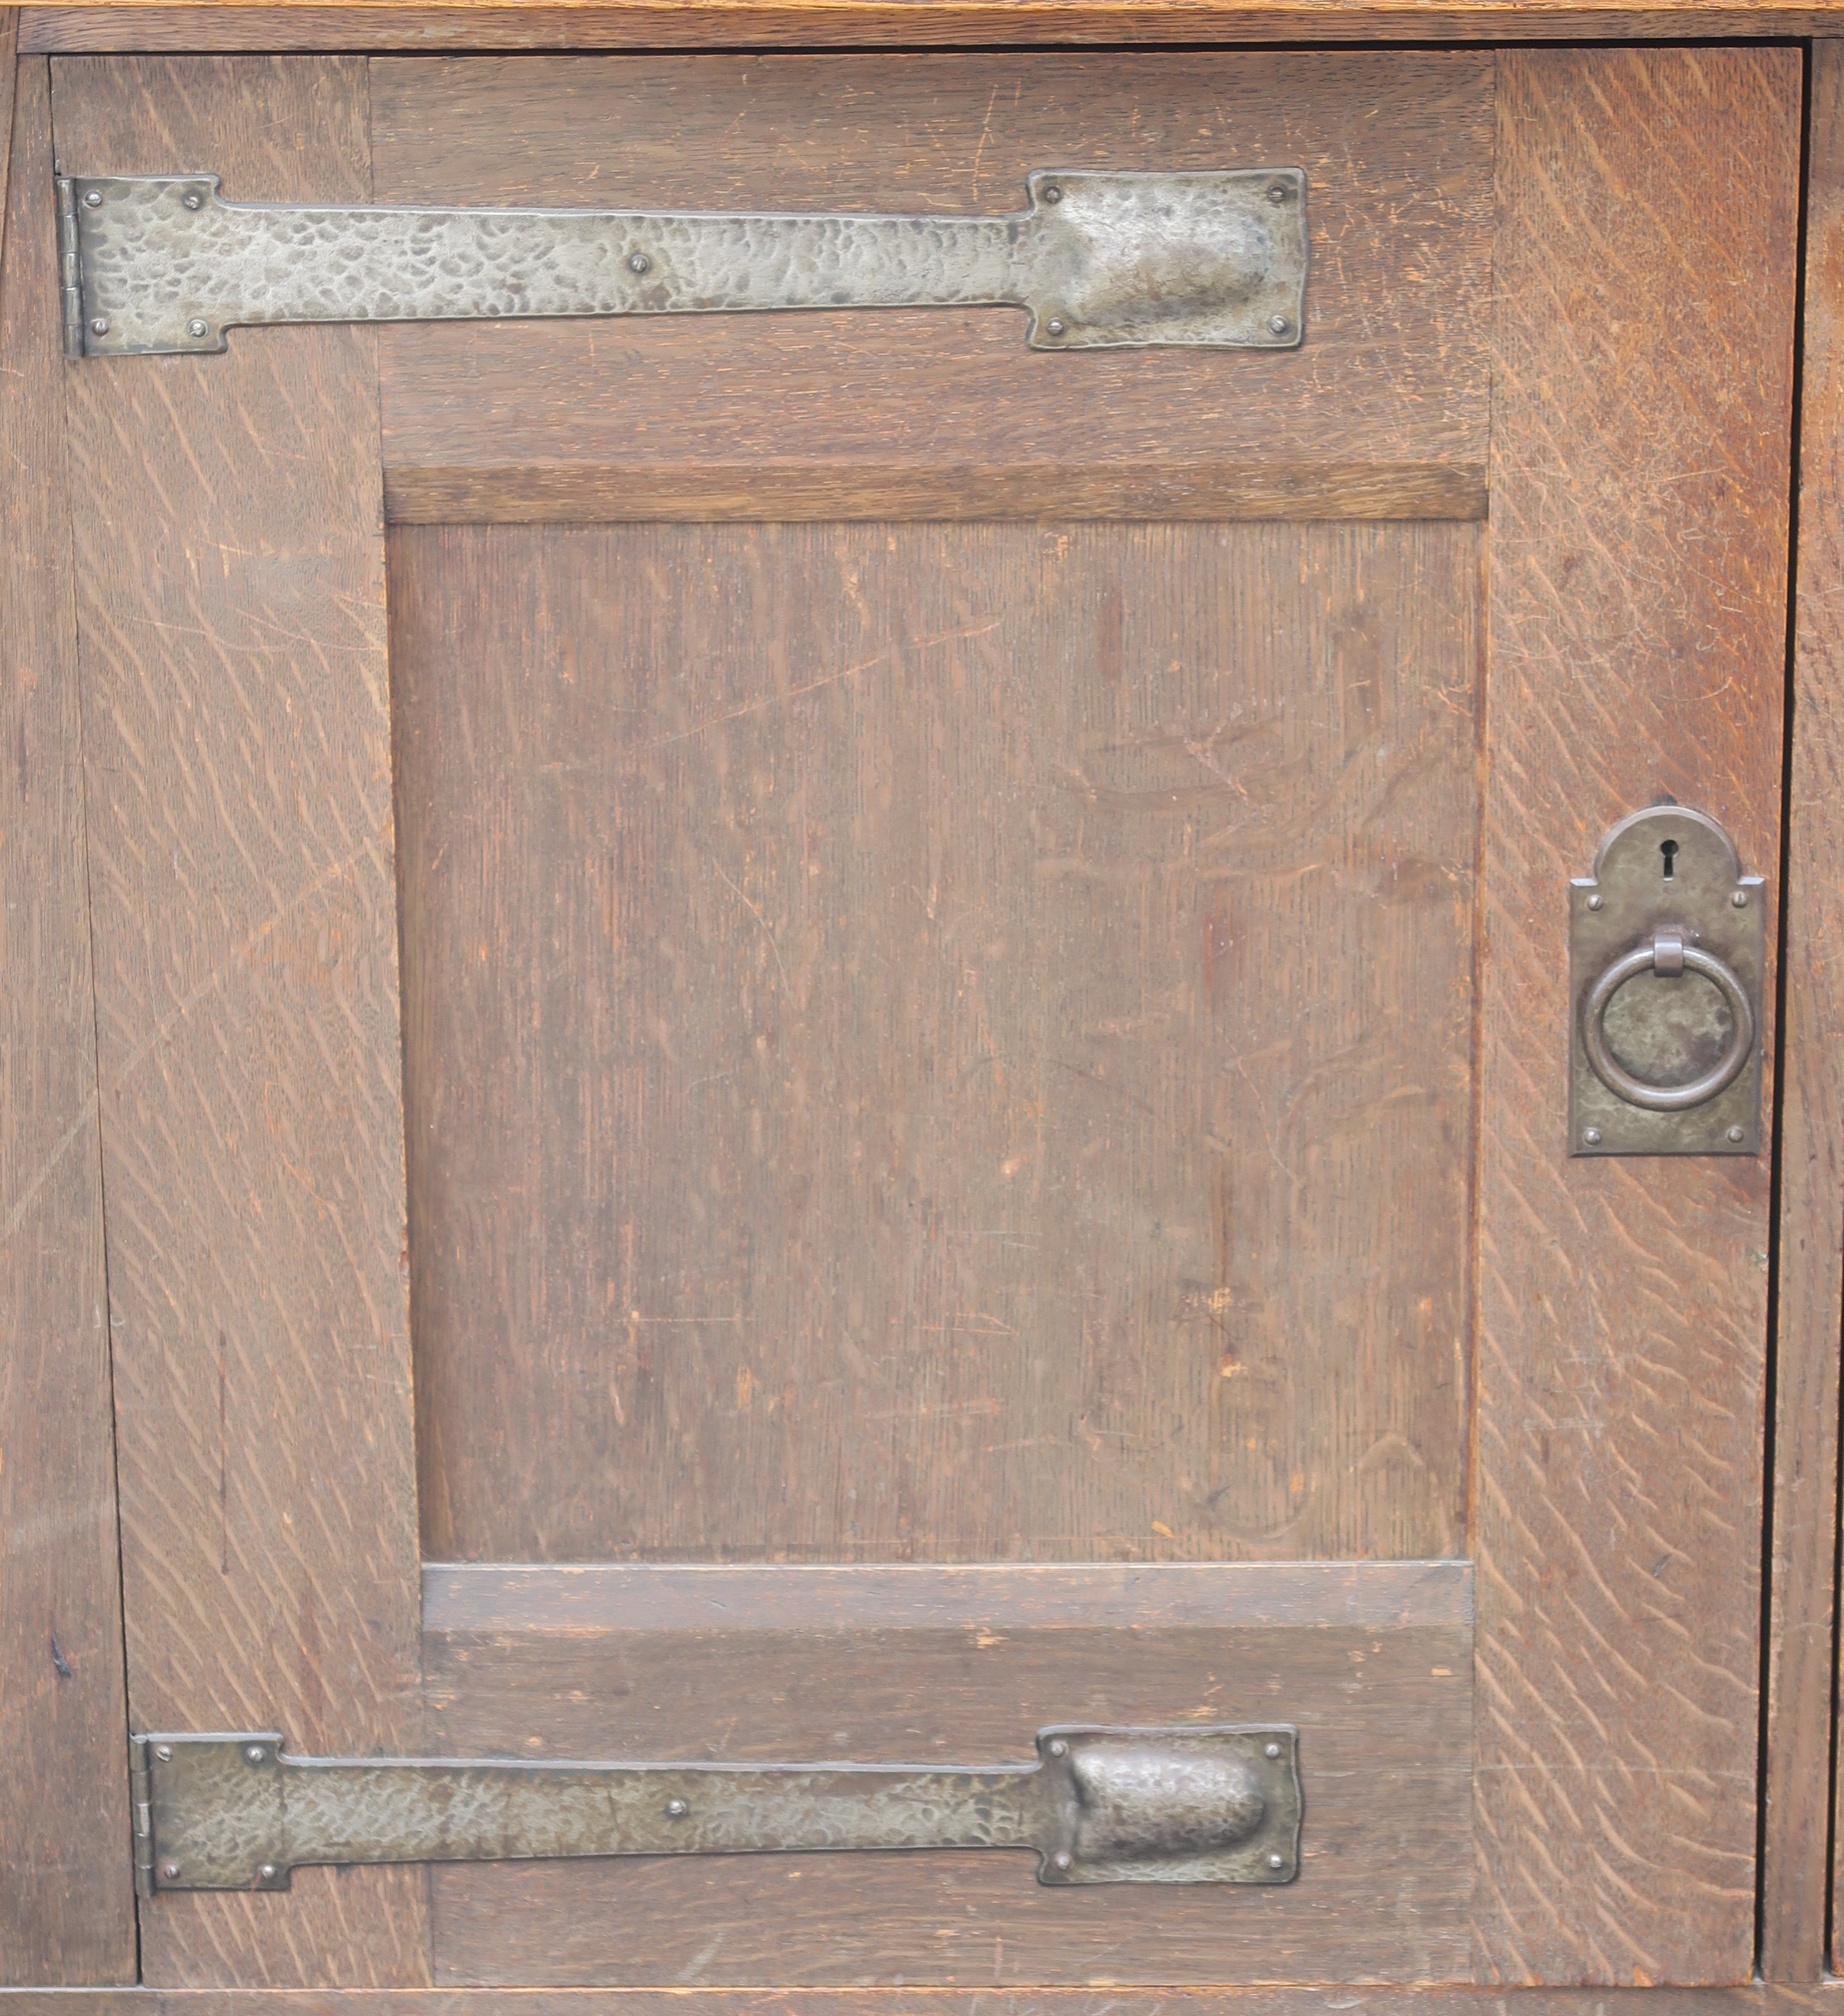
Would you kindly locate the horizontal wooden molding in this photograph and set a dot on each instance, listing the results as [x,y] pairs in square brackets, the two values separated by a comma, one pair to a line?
[666,25]
[1264,2001]
[1240,1595]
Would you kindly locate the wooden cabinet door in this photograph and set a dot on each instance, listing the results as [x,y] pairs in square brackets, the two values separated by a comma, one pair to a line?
[822,1038]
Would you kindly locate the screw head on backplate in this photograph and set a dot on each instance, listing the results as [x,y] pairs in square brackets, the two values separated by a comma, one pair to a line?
[1591,1137]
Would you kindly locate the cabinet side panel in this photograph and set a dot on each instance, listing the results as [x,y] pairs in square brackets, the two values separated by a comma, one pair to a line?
[231,609]
[1641,413]
[66,1903]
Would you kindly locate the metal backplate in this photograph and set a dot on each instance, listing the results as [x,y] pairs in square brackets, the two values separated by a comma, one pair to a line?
[1670,875]
[1099,1805]
[161,263]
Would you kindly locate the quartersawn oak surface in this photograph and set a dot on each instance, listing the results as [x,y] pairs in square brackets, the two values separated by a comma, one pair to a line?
[692,24]
[939,1043]
[1640,459]
[230,567]
[66,1909]
[1370,1661]
[943,413]
[1800,1687]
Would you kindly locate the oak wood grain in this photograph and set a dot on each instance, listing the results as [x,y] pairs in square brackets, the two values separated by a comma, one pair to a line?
[1640,421]
[945,413]
[692,24]
[799,1668]
[1289,2000]
[1799,1704]
[602,1596]
[66,1904]
[939,1043]
[231,601]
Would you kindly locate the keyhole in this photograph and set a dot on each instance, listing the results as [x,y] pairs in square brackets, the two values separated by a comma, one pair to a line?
[1669,849]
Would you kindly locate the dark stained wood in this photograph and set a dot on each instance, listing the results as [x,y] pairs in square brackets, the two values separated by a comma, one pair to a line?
[1639,546]
[661,24]
[602,1597]
[66,1903]
[939,1043]
[1811,1299]
[935,413]
[1379,1680]
[231,602]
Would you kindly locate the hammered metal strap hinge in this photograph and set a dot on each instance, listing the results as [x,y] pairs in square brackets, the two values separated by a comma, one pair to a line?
[159,264]
[1098,1806]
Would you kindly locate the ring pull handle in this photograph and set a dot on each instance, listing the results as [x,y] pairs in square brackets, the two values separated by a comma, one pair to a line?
[1666,954]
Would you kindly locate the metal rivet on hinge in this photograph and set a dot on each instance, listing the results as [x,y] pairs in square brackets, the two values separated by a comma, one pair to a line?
[1591,1136]
[1739,899]
[193,200]
[1277,1861]
[93,200]
[1059,1747]
[638,262]
[1065,1859]
[197,328]
[164,1752]
[676,1809]
[1279,324]
[169,1872]
[1052,193]
[267,1872]
[100,326]
[1055,326]
[1596,900]
[1736,1136]
[254,1754]
[1277,194]
[1273,1750]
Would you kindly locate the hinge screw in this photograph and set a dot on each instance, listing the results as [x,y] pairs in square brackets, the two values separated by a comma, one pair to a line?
[164,1752]
[1052,193]
[1736,1136]
[93,199]
[1595,901]
[169,1872]
[100,326]
[253,1754]
[1278,325]
[1274,1749]
[1058,1746]
[1277,1861]
[193,200]
[267,1872]
[1065,1860]
[1591,1137]
[1276,192]
[196,329]
[638,262]
[1055,324]
[676,1809]
[1739,899]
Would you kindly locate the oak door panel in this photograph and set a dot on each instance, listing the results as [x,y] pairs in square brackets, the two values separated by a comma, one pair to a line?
[1372,1662]
[944,413]
[939,1043]
[230,571]
[1641,468]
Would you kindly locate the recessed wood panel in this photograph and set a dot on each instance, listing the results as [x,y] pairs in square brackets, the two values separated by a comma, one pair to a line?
[944,413]
[938,1043]
[1371,1661]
